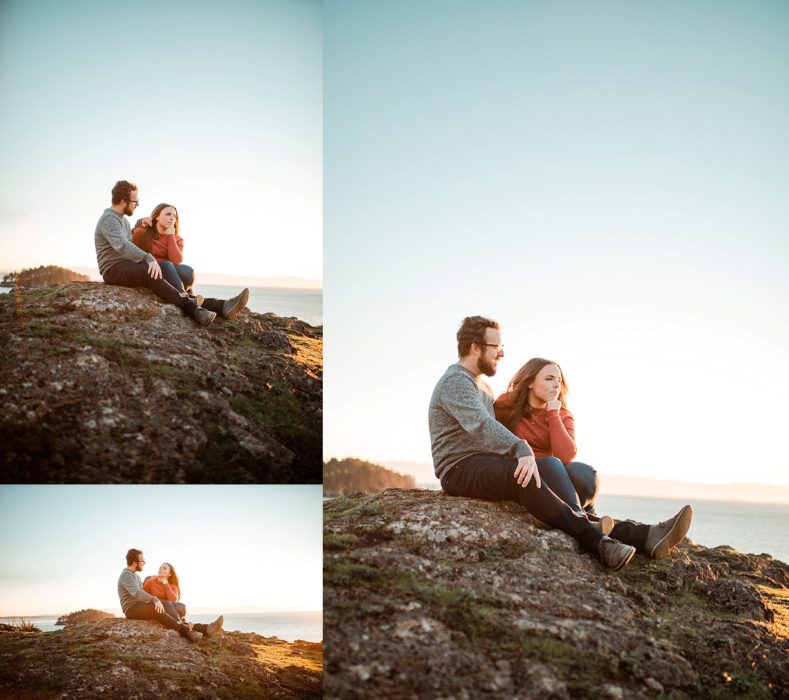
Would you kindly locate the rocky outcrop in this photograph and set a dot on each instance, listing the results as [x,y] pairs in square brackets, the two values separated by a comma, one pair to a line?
[122,658]
[82,616]
[102,384]
[430,596]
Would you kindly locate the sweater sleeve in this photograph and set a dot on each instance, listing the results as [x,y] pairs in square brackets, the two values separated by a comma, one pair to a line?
[175,249]
[461,400]
[112,231]
[562,433]
[132,586]
[173,594]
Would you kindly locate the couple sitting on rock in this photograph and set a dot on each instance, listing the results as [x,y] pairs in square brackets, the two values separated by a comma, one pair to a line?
[153,258]
[527,455]
[158,599]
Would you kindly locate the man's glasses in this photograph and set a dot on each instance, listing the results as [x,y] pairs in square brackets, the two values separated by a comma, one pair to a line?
[499,346]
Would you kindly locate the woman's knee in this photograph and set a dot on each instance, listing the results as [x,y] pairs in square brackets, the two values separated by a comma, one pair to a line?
[549,465]
[585,480]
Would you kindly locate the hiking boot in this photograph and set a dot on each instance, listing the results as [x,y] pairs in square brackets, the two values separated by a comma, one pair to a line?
[663,537]
[613,553]
[604,524]
[211,628]
[191,635]
[203,317]
[197,298]
[232,306]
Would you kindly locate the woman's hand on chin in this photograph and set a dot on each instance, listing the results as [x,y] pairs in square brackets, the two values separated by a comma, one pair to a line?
[553,405]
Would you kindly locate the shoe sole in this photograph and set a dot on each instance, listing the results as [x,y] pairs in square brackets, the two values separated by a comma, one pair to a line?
[675,535]
[239,306]
[606,524]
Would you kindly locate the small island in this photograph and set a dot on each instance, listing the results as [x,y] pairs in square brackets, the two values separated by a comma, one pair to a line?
[82,616]
[342,477]
[42,276]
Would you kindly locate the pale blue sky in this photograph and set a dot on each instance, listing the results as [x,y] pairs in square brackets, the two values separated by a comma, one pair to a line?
[213,107]
[608,180]
[234,547]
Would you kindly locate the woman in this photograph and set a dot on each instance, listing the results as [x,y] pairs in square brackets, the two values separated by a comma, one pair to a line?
[165,588]
[535,409]
[160,235]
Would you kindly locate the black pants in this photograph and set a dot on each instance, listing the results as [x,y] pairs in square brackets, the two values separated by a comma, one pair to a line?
[131,274]
[146,611]
[573,482]
[492,477]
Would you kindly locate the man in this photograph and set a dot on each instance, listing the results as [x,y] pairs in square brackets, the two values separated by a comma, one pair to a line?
[137,604]
[123,263]
[476,456]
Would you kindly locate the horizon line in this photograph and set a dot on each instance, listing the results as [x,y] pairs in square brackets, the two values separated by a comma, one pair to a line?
[283,281]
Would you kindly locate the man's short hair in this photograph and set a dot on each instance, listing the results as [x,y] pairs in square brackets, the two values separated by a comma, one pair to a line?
[122,190]
[471,331]
[132,555]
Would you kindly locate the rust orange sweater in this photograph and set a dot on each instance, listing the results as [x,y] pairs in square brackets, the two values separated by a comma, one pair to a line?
[549,433]
[163,591]
[163,248]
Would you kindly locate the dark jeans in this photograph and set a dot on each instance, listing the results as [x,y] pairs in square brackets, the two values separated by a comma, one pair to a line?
[491,477]
[182,277]
[179,276]
[174,610]
[577,485]
[146,611]
[131,274]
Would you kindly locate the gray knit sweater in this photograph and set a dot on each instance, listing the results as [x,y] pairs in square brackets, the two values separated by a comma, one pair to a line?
[113,242]
[130,590]
[463,423]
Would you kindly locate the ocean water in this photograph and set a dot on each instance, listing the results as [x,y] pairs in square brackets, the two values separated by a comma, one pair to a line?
[305,304]
[755,528]
[289,626]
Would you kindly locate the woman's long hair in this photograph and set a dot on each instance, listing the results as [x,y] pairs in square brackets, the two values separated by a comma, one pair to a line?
[519,390]
[151,233]
[172,579]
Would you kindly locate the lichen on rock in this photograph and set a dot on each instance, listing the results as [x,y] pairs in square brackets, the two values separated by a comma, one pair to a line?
[110,385]
[430,596]
[119,658]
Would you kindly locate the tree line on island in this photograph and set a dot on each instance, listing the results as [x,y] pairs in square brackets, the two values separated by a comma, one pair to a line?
[42,276]
[342,477]
[21,624]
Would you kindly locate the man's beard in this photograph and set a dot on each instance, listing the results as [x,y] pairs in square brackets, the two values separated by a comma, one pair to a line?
[128,211]
[486,366]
